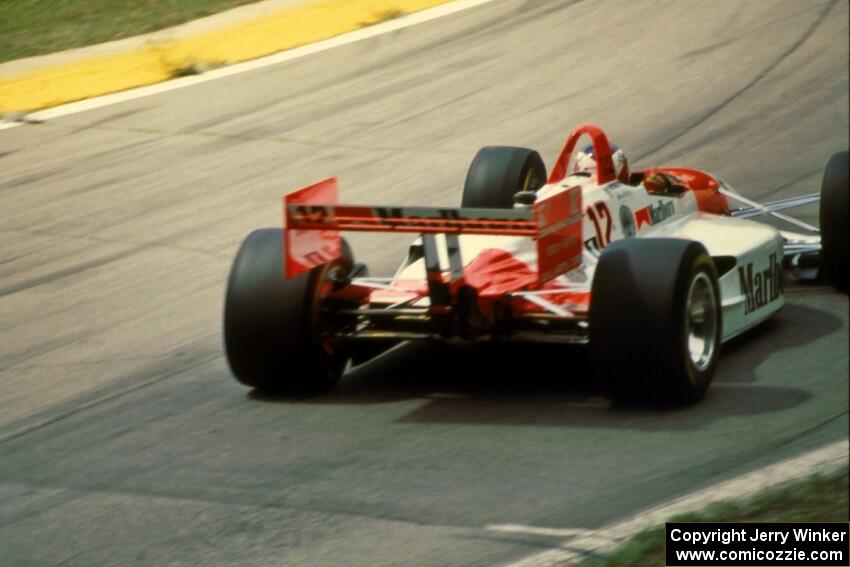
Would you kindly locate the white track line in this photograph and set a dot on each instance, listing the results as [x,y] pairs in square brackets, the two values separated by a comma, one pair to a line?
[576,549]
[281,57]
[534,530]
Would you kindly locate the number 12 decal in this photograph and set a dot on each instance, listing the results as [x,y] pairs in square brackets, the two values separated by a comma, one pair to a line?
[598,214]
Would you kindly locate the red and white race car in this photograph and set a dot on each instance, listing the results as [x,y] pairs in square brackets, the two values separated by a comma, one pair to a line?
[651,269]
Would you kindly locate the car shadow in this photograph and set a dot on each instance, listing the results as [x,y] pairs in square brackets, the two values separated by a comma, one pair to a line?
[794,326]
[545,385]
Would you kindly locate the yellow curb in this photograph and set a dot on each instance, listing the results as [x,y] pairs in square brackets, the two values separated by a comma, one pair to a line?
[155,62]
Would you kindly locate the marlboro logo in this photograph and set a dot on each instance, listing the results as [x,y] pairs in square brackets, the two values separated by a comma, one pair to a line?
[654,214]
[761,287]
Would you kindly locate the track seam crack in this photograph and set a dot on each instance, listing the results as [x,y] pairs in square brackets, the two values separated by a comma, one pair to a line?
[764,72]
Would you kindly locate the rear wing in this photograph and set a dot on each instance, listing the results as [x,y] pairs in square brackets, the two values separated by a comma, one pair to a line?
[313,221]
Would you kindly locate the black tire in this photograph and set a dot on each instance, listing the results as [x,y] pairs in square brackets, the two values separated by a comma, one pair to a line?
[833,220]
[271,323]
[498,172]
[639,320]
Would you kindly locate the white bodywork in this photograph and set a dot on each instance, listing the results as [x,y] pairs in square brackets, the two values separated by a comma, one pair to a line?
[748,254]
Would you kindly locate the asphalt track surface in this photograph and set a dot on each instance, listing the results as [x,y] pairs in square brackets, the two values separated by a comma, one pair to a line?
[123,438]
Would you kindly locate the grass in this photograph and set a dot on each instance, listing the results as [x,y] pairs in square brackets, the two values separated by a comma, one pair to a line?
[36,27]
[818,499]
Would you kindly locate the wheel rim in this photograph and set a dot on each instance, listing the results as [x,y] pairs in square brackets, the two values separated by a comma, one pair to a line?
[701,321]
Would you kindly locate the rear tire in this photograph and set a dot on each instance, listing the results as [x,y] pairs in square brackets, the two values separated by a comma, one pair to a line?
[272,324]
[655,321]
[498,172]
[833,220]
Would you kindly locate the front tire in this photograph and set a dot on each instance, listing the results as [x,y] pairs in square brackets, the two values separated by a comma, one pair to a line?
[499,172]
[272,324]
[833,220]
[655,321]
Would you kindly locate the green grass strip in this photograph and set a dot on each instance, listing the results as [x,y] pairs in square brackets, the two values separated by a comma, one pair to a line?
[36,27]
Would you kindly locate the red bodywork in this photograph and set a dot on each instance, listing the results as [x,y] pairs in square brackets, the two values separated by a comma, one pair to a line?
[705,188]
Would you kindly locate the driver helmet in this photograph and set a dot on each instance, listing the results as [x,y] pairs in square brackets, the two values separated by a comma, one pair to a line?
[585,163]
